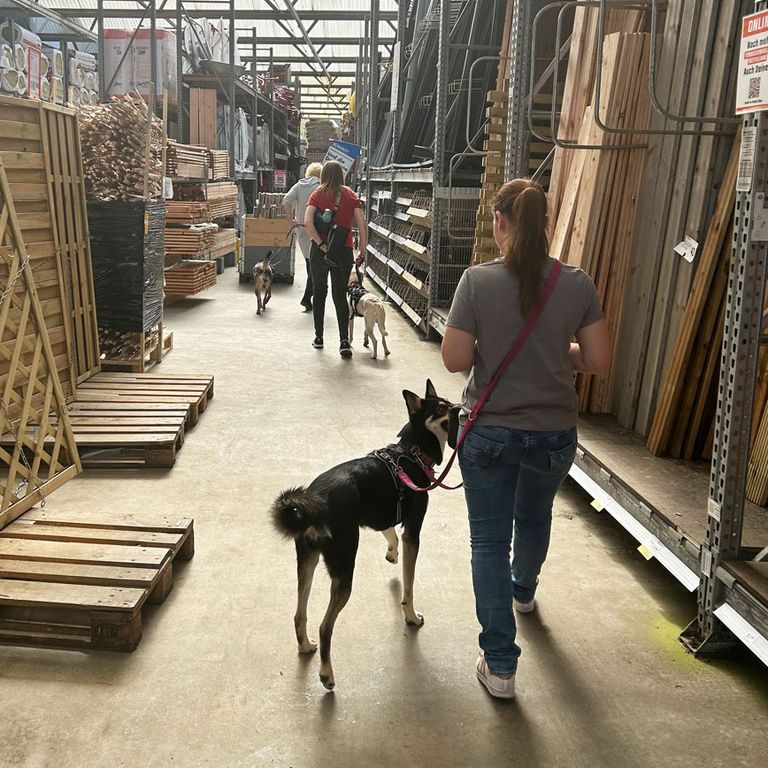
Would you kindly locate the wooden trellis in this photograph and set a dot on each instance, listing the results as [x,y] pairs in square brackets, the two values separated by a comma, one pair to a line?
[41,453]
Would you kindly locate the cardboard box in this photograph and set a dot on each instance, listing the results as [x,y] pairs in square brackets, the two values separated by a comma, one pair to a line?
[272,233]
[134,73]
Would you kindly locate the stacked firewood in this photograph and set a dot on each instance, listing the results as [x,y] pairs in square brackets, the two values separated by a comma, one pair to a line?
[221,198]
[119,162]
[125,345]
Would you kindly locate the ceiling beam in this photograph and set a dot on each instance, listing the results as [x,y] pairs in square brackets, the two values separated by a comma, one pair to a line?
[284,40]
[293,59]
[242,14]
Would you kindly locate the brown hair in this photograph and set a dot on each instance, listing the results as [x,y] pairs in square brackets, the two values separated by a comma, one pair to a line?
[524,204]
[331,178]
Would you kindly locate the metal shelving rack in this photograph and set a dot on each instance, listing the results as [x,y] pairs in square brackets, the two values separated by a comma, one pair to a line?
[411,268]
[726,608]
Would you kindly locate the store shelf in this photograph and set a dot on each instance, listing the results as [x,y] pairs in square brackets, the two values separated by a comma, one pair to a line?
[402,175]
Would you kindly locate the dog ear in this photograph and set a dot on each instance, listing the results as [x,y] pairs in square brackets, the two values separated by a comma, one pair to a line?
[431,391]
[412,400]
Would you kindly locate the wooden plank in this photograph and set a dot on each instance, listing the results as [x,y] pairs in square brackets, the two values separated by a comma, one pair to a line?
[32,594]
[99,518]
[75,552]
[24,529]
[77,573]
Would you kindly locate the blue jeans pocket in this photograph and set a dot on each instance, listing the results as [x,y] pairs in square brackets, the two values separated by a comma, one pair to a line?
[560,460]
[478,457]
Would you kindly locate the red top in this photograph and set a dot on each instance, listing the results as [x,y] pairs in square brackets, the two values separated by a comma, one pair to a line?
[348,204]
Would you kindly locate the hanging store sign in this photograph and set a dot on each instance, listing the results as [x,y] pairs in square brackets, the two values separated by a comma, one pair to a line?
[344,154]
[281,179]
[752,85]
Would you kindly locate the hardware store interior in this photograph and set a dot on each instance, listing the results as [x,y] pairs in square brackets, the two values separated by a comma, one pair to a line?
[243,243]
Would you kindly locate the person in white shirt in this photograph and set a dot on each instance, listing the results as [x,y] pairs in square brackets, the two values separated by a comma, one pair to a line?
[294,205]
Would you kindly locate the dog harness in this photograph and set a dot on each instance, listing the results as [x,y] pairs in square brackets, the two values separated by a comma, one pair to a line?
[355,293]
[392,457]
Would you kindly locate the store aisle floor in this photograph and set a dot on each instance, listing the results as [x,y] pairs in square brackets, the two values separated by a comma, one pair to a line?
[216,680]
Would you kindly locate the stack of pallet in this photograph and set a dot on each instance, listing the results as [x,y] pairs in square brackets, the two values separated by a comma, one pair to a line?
[189,277]
[128,345]
[596,218]
[222,200]
[320,133]
[218,163]
[186,161]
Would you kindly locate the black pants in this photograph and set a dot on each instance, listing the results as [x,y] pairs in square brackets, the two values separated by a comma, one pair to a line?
[307,297]
[339,282]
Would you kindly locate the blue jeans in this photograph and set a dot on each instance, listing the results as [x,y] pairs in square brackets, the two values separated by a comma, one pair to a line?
[511,477]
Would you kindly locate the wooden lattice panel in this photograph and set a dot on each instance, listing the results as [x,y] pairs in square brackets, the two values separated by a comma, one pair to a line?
[38,447]
[64,169]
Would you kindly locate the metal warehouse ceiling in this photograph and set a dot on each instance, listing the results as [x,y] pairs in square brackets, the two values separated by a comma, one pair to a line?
[334,26]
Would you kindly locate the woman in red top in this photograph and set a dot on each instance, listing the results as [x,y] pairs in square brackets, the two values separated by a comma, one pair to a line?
[329,195]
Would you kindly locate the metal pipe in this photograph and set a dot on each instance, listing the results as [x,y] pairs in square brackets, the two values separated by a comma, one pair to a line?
[373,89]
[292,11]
[179,73]
[152,56]
[272,115]
[232,110]
[255,116]
[100,51]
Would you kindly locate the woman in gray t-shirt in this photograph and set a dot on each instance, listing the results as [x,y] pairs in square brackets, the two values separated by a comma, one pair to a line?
[524,440]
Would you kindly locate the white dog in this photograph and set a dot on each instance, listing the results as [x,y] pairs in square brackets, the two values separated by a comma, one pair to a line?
[372,310]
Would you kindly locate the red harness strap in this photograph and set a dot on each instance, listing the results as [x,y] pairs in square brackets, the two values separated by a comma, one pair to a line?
[517,345]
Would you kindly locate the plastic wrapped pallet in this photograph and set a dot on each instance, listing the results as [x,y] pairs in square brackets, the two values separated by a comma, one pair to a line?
[128,247]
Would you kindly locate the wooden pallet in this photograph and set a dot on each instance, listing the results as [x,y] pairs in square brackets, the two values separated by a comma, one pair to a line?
[149,389]
[80,579]
[141,364]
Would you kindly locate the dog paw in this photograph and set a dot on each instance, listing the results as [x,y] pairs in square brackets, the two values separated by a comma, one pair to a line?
[309,647]
[373,357]
[414,619]
[328,680]
[387,353]
[392,556]
[366,343]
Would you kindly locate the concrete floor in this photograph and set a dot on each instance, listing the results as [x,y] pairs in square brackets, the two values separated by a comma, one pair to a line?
[216,680]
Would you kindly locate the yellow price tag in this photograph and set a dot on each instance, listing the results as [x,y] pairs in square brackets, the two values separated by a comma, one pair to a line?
[645,552]
[598,505]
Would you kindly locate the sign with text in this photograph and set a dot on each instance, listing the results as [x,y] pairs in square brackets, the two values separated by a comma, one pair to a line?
[752,85]
[343,153]
[281,179]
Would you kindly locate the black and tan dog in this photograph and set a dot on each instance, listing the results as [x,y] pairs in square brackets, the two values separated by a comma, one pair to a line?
[325,517]
[263,277]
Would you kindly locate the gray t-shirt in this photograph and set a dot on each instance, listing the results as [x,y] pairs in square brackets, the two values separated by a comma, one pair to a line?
[537,391]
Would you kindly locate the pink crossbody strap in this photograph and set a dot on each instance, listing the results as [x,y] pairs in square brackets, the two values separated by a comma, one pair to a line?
[519,342]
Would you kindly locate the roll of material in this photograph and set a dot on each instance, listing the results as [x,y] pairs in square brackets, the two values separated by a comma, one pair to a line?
[9,81]
[15,34]
[88,82]
[20,57]
[57,90]
[55,60]
[76,73]
[6,57]
[45,66]
[21,87]
[94,97]
[45,90]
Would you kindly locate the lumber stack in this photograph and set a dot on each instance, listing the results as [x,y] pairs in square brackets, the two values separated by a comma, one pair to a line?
[179,213]
[224,242]
[190,277]
[127,345]
[190,242]
[186,161]
[218,163]
[203,117]
[320,134]
[221,197]
[677,197]
[684,409]
[122,150]
[596,218]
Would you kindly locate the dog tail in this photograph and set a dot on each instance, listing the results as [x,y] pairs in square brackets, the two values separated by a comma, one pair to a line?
[297,512]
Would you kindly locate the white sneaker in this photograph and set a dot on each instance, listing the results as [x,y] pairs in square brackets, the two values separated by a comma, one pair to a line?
[500,687]
[524,607]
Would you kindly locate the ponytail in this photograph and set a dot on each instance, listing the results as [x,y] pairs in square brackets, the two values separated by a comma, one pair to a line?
[524,204]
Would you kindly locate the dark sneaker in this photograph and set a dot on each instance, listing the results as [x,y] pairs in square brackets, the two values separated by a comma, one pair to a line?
[344,349]
[317,343]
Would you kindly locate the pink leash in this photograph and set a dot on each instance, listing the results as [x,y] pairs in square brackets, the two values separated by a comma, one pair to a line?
[517,345]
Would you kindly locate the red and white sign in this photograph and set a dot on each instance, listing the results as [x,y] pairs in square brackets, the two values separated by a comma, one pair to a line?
[752,85]
[281,179]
